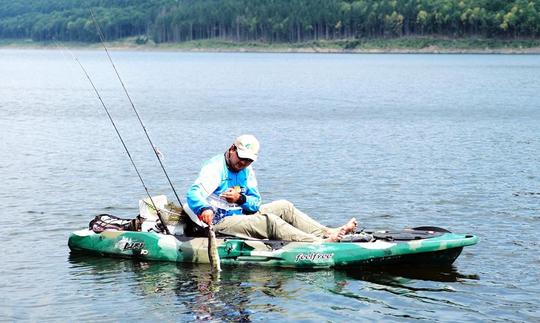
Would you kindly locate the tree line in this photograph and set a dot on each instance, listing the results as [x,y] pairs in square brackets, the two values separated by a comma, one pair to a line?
[70,20]
[269,20]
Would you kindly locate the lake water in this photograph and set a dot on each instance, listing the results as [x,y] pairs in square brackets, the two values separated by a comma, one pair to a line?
[395,140]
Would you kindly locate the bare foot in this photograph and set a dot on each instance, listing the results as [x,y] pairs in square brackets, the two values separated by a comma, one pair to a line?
[333,235]
[349,226]
[336,235]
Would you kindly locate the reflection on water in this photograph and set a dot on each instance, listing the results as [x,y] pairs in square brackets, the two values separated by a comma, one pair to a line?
[239,291]
[204,298]
[390,275]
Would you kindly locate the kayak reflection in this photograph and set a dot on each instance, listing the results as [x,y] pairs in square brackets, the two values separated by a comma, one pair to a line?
[392,274]
[197,294]
[245,293]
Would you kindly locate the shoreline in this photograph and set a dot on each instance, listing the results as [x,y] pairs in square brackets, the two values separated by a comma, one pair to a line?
[434,46]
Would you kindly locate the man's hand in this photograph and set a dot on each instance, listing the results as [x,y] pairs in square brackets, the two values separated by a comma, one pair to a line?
[232,195]
[207,216]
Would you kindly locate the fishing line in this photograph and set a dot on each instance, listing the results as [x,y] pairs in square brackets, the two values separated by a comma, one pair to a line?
[212,248]
[154,148]
[120,137]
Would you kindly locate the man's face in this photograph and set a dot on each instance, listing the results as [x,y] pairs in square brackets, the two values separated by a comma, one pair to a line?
[235,162]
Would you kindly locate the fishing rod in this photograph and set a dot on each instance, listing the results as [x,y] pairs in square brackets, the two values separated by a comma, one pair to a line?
[213,254]
[123,143]
[154,148]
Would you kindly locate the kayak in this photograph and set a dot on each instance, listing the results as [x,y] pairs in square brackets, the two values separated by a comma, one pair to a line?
[422,245]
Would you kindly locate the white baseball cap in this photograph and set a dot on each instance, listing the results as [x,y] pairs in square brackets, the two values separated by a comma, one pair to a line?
[247,146]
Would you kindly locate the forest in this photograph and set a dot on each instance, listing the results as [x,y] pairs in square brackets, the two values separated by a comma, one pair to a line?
[271,21]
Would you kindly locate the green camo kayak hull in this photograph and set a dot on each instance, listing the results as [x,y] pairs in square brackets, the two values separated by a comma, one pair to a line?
[375,248]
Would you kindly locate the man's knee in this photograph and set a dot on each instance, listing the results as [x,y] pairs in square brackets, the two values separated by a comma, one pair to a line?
[272,218]
[277,207]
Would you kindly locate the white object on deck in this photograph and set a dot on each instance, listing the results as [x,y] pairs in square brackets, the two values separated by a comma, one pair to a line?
[146,209]
[151,219]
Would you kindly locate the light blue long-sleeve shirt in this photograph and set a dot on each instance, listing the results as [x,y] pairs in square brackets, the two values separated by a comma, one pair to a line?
[215,178]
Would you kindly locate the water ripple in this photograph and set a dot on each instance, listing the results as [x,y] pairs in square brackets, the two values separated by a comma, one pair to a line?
[347,135]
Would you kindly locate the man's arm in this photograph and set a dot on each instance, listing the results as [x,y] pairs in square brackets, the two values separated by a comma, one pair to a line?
[207,182]
[250,199]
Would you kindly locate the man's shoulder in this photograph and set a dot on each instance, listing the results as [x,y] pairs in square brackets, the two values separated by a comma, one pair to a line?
[216,161]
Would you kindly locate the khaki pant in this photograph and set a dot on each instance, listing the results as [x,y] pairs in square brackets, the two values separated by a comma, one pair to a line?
[278,220]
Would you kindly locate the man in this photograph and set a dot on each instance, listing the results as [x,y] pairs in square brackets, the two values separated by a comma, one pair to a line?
[226,195]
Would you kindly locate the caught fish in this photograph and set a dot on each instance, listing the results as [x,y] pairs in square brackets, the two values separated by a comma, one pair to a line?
[213,254]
